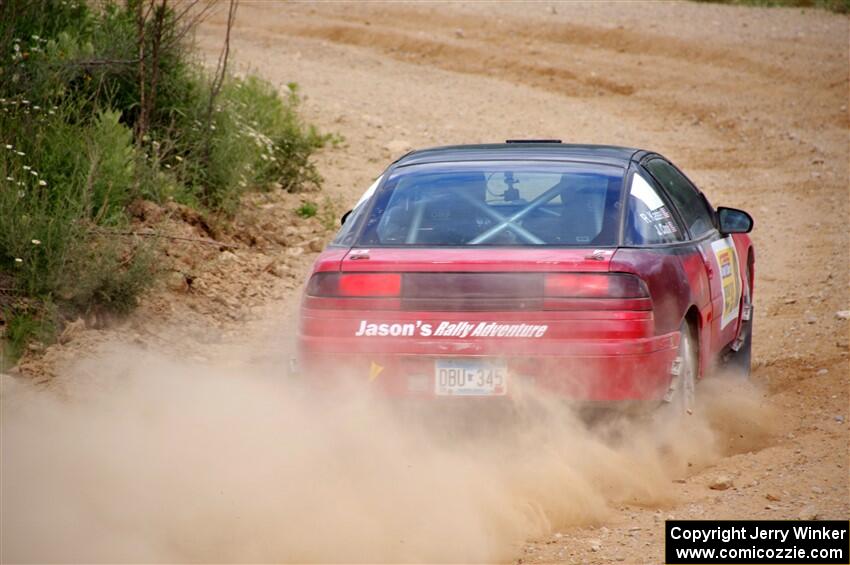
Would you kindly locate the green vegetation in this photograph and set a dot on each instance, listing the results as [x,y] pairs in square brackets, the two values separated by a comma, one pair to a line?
[307,209]
[840,6]
[328,213]
[26,326]
[102,104]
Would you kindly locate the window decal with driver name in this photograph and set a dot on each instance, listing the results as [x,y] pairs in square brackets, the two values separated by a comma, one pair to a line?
[656,214]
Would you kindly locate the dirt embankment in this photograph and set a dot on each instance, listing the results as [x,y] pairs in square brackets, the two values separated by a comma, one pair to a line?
[752,103]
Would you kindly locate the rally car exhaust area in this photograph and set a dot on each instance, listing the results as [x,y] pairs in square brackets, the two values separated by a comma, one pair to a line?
[174,460]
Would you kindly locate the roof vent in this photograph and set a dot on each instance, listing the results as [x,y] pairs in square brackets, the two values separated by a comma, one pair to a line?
[532,141]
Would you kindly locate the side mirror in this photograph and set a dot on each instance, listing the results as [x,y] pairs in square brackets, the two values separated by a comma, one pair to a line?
[345,217]
[732,220]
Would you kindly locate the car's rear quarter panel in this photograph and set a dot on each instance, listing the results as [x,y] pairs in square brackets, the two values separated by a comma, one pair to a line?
[677,281]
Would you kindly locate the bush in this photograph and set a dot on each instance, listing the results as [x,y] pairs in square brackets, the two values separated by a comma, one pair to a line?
[274,125]
[252,139]
[79,141]
[61,180]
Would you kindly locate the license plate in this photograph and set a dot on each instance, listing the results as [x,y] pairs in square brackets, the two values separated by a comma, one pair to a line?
[460,377]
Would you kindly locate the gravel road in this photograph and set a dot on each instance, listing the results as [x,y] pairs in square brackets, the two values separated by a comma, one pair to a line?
[751,102]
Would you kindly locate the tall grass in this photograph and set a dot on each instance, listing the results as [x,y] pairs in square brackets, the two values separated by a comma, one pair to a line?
[75,152]
[254,139]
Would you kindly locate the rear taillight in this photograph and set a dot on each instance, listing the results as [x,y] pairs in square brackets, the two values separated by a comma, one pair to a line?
[475,292]
[355,285]
[594,285]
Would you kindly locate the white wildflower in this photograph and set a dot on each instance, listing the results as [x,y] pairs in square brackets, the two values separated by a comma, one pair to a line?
[27,167]
[18,260]
[42,183]
[10,179]
[34,173]
[8,146]
[36,242]
[21,153]
[178,158]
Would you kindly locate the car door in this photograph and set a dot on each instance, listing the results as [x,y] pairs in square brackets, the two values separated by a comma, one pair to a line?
[655,247]
[720,258]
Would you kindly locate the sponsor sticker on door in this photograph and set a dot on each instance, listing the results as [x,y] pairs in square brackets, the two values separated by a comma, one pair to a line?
[730,278]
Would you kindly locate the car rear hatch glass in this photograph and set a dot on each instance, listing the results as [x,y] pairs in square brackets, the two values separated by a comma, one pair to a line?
[496,204]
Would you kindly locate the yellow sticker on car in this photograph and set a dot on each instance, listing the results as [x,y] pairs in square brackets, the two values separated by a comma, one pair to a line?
[374,371]
[730,278]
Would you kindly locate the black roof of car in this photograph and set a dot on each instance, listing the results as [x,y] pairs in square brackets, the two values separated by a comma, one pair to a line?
[543,151]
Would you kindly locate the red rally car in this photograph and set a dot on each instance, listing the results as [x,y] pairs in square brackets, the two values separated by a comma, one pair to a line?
[597,273]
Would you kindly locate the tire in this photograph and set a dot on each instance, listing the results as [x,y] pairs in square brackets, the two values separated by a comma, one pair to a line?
[681,395]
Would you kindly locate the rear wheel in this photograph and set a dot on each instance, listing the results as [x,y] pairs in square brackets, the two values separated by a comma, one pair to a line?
[682,392]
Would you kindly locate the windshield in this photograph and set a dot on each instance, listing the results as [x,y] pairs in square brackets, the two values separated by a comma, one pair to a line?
[496,203]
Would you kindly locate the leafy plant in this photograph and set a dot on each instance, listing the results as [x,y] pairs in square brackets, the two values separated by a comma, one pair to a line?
[307,209]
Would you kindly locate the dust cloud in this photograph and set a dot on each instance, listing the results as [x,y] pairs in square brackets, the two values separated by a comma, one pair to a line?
[134,456]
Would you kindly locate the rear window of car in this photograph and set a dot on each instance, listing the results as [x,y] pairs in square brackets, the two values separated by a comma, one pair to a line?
[496,204]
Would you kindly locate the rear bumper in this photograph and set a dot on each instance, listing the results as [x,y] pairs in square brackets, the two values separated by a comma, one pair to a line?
[584,370]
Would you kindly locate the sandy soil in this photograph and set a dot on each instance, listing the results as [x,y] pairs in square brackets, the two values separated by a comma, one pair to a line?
[752,103]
